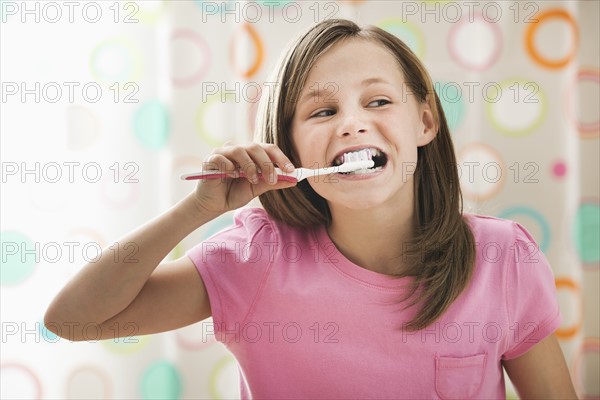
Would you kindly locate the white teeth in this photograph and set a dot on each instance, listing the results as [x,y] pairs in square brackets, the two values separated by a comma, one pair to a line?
[359,155]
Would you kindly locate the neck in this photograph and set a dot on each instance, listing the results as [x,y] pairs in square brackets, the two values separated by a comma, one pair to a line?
[373,238]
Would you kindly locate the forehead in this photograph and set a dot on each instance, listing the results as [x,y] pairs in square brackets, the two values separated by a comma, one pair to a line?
[353,58]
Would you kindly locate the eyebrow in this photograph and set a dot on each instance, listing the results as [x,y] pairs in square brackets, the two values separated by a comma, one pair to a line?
[318,92]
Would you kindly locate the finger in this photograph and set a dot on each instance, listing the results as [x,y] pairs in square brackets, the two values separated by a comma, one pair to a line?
[262,159]
[252,159]
[239,156]
[268,156]
[221,164]
[278,157]
[218,162]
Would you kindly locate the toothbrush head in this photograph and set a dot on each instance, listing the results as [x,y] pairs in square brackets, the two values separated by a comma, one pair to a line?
[361,155]
[351,166]
[353,161]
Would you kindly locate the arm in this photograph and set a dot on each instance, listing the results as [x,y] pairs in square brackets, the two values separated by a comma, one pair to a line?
[140,292]
[132,290]
[541,373]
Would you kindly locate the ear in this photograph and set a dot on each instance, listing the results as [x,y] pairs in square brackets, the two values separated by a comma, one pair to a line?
[429,127]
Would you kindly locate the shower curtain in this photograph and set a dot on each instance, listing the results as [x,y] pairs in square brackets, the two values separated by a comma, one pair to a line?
[105,104]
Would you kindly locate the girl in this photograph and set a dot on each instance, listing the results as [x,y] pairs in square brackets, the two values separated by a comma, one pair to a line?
[371,284]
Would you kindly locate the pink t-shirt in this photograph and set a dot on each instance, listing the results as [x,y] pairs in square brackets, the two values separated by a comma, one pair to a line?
[305,322]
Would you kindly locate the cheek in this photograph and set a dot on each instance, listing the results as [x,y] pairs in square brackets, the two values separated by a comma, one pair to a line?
[296,140]
[299,149]
[310,147]
[406,156]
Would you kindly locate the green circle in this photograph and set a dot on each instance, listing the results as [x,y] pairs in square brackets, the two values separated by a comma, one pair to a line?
[151,124]
[505,87]
[587,232]
[126,344]
[452,101]
[178,251]
[48,335]
[19,257]
[144,15]
[218,224]
[115,50]
[510,212]
[407,32]
[210,102]
[161,381]
[218,368]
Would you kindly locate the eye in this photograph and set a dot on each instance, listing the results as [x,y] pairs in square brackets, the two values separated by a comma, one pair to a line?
[323,113]
[380,102]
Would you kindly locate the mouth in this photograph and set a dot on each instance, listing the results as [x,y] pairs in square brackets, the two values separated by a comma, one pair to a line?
[367,153]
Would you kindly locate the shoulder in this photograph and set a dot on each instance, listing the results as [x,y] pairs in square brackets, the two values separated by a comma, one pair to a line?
[256,225]
[506,244]
[252,219]
[507,255]
[487,224]
[249,224]
[489,229]
[512,270]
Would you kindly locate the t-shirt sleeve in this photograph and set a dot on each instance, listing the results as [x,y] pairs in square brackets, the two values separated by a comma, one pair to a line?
[233,265]
[532,302]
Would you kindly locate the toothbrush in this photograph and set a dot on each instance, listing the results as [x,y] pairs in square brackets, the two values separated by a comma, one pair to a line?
[352,162]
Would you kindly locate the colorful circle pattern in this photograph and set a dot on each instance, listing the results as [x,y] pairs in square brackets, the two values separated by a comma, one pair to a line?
[543,105]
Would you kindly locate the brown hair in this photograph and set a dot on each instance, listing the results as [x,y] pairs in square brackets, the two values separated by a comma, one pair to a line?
[441,254]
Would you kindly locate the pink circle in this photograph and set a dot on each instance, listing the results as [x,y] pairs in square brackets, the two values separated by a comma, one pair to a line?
[204,50]
[453,44]
[559,169]
[586,129]
[25,371]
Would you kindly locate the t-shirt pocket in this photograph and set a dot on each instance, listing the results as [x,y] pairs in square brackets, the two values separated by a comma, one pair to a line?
[459,377]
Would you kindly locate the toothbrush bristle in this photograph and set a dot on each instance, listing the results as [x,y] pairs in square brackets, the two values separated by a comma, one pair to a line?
[363,155]
[356,165]
[356,160]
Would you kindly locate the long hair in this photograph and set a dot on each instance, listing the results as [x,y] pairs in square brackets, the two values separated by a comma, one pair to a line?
[441,254]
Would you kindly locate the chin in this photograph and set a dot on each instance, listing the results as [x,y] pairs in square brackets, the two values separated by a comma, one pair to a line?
[358,203]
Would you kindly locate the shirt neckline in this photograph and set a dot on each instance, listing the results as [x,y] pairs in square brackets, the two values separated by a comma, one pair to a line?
[356,273]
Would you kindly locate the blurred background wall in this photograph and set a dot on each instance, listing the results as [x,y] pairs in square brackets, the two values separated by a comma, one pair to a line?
[104,105]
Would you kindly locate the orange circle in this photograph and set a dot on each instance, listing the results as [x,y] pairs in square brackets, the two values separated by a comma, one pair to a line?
[258,44]
[570,331]
[557,13]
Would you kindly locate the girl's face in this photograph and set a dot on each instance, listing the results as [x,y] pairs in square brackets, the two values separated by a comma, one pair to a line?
[355,97]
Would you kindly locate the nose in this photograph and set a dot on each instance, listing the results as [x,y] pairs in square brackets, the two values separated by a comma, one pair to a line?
[352,125]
